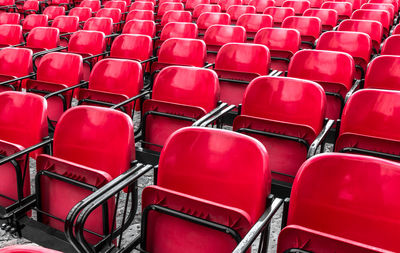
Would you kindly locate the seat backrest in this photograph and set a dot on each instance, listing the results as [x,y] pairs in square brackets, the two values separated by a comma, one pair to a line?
[66,24]
[104,25]
[307,26]
[396,30]
[381,16]
[180,51]
[83,13]
[10,34]
[113,13]
[15,62]
[34,20]
[132,46]
[149,6]
[286,99]
[225,4]
[298,6]
[118,76]
[43,37]
[221,34]
[346,185]
[391,45]
[235,11]
[343,9]
[140,15]
[254,22]
[116,4]
[31,5]
[373,28]
[328,17]
[208,19]
[87,42]
[60,68]
[179,30]
[191,4]
[164,7]
[280,39]
[54,11]
[392,2]
[243,57]
[10,18]
[382,73]
[94,5]
[261,5]
[279,13]
[323,66]
[176,16]
[223,160]
[143,27]
[357,44]
[82,136]
[381,6]
[201,8]
[188,86]
[19,110]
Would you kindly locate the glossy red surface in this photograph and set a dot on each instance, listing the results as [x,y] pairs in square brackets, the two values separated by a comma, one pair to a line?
[26,249]
[149,6]
[208,19]
[261,5]
[43,38]
[15,62]
[221,34]
[180,51]
[392,2]
[176,16]
[344,9]
[328,17]
[381,16]
[140,27]
[83,13]
[104,25]
[191,4]
[235,11]
[201,8]
[10,35]
[30,5]
[113,13]
[132,46]
[254,22]
[382,73]
[391,45]
[34,20]
[225,4]
[116,4]
[10,18]
[386,7]
[140,15]
[87,42]
[298,6]
[345,193]
[164,7]
[179,30]
[54,11]
[92,4]
[66,24]
[279,14]
[279,39]
[307,26]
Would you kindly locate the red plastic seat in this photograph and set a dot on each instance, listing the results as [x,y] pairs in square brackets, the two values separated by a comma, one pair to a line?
[356,4]
[334,71]
[378,15]
[26,248]
[391,45]
[218,35]
[357,44]
[77,157]
[344,9]
[392,2]
[113,81]
[143,27]
[17,111]
[10,35]
[57,71]
[140,15]
[288,106]
[282,44]
[177,30]
[132,46]
[176,16]
[177,91]
[396,30]
[145,6]
[212,153]
[236,65]
[373,28]
[116,4]
[9,18]
[235,11]
[253,23]
[309,27]
[261,5]
[164,7]
[328,17]
[66,24]
[43,38]
[316,3]
[54,11]
[298,6]
[225,4]
[34,20]
[83,13]
[169,1]
[29,7]
[113,13]
[383,74]
[191,4]
[279,14]
[344,194]
[14,63]
[202,8]
[104,25]
[208,19]
[94,5]
[386,7]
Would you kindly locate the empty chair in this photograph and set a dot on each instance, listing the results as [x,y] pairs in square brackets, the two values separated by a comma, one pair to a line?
[316,3]
[334,71]
[373,28]
[186,194]
[190,5]
[383,74]
[94,5]
[121,5]
[43,38]
[235,11]
[176,16]
[34,20]
[357,44]
[252,23]
[225,4]
[164,7]
[207,19]
[66,4]
[177,30]
[177,91]
[261,5]
[390,46]
[113,13]
[104,25]
[372,223]
[140,15]
[148,6]
[356,4]
[17,111]
[10,35]
[57,71]
[298,6]
[385,7]
[201,8]
[29,7]
[282,43]
[113,81]
[279,14]
[66,24]
[132,46]
[14,63]
[378,15]
[286,115]
[344,9]
[218,35]
[54,11]
[392,2]
[309,27]
[328,17]
[83,13]
[144,27]
[9,18]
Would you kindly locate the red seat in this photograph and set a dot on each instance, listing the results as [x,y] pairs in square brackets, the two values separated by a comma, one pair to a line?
[66,24]
[132,46]
[261,5]
[282,43]
[202,8]
[378,15]
[392,2]
[54,11]
[235,11]
[346,185]
[328,17]
[343,9]
[94,5]
[43,38]
[17,111]
[279,14]
[191,4]
[357,44]
[176,16]
[177,30]
[356,4]
[10,35]
[14,63]
[113,81]
[252,23]
[334,71]
[290,107]
[386,7]
[77,157]
[145,6]
[140,15]
[298,6]
[104,25]
[225,4]
[143,27]
[164,7]
[178,91]
[34,20]
[83,13]
[316,3]
[57,71]
[218,35]
[9,18]
[309,27]
[373,28]
[113,13]
[212,153]
[236,65]
[29,7]
[391,45]
[208,19]
[26,248]
[383,74]
[121,5]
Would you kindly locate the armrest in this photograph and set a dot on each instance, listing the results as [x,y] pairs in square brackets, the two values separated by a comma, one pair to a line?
[357,84]
[215,114]
[151,59]
[56,93]
[19,45]
[112,35]
[258,227]
[96,55]
[208,65]
[41,53]
[130,100]
[322,135]
[18,79]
